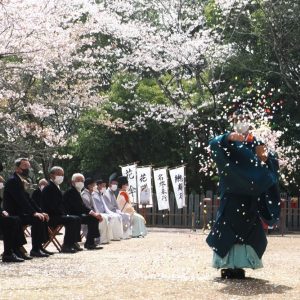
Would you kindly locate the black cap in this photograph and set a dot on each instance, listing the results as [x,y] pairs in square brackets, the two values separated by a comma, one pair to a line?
[88,181]
[99,181]
[122,180]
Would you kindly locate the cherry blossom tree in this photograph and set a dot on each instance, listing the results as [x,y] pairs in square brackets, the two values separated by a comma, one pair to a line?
[60,59]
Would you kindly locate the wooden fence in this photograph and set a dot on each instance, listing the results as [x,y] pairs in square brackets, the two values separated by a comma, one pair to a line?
[200,212]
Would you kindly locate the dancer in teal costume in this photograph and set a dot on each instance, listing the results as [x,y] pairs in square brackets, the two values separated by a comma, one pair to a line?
[248,192]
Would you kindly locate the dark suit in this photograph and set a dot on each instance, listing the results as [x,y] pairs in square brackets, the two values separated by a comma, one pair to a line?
[13,235]
[74,205]
[52,204]
[37,197]
[17,202]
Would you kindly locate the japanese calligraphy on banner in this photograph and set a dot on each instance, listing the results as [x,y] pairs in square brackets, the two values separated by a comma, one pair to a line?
[130,172]
[178,181]
[161,187]
[144,185]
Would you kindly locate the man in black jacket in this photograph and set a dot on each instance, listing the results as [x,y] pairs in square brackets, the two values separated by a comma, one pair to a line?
[17,202]
[13,236]
[74,206]
[37,193]
[52,204]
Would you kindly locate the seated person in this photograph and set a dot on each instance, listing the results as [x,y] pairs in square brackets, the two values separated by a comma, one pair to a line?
[37,193]
[124,203]
[104,226]
[13,236]
[110,201]
[17,202]
[52,203]
[115,219]
[74,205]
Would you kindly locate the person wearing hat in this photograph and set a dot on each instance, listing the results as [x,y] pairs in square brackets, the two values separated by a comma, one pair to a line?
[249,192]
[110,201]
[124,204]
[114,219]
[105,227]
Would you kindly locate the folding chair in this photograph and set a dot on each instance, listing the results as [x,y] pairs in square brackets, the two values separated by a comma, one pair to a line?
[26,231]
[83,231]
[53,232]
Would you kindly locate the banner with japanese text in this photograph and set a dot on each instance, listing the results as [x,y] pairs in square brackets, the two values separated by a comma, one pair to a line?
[161,187]
[130,172]
[144,185]
[178,181]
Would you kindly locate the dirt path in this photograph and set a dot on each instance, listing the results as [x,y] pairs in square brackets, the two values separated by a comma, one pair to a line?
[164,265]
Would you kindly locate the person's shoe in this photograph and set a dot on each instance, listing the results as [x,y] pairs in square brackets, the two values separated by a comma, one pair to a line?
[38,253]
[92,247]
[233,274]
[47,252]
[238,273]
[67,249]
[22,255]
[12,258]
[77,247]
[226,274]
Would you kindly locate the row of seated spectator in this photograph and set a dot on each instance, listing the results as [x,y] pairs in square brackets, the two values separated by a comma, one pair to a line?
[86,206]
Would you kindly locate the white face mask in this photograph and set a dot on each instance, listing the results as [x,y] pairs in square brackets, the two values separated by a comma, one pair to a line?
[42,187]
[79,186]
[58,179]
[1,185]
[241,127]
[114,187]
[103,190]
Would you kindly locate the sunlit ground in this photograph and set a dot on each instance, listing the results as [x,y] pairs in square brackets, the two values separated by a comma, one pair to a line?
[167,264]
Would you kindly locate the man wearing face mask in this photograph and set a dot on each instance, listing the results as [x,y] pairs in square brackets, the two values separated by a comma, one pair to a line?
[110,201]
[74,205]
[114,219]
[52,203]
[248,192]
[17,202]
[104,226]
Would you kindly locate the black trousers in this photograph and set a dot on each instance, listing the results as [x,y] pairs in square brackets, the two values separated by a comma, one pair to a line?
[13,235]
[93,228]
[72,226]
[39,230]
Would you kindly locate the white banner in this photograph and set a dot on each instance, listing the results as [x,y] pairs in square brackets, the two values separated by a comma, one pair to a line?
[162,189]
[178,181]
[130,172]
[144,185]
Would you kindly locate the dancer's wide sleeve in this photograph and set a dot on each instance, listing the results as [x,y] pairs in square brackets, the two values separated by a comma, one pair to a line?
[240,170]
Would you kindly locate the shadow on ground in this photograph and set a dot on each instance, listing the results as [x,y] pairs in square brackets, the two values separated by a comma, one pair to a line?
[250,287]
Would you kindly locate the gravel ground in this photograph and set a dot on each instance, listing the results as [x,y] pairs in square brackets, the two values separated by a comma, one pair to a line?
[167,264]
